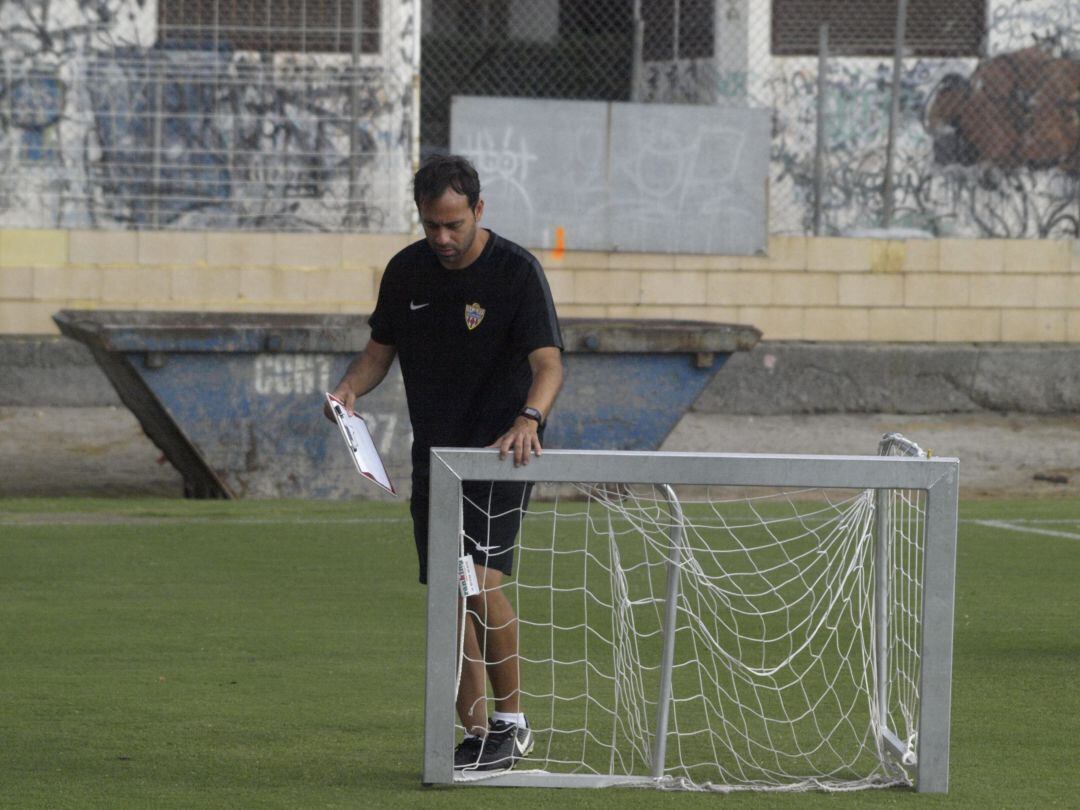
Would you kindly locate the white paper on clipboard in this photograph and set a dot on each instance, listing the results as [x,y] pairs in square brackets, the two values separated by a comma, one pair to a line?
[362,449]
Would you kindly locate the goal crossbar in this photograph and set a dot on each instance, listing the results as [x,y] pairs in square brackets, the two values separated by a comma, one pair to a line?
[936,478]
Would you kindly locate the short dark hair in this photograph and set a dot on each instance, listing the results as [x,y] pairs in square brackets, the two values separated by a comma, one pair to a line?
[442,172]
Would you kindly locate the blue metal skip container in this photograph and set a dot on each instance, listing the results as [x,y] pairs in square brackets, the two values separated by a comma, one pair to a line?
[234,400]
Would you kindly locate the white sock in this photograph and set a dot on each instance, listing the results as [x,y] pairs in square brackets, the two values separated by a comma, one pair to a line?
[469,736]
[514,718]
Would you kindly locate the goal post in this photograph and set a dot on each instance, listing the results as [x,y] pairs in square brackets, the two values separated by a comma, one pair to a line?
[890,702]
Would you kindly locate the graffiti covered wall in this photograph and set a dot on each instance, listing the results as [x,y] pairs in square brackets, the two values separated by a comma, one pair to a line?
[986,147]
[102,125]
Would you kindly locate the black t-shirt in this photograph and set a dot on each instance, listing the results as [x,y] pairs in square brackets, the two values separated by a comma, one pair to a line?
[463,338]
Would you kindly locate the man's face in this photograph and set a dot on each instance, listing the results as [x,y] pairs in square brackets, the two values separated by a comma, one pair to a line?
[450,227]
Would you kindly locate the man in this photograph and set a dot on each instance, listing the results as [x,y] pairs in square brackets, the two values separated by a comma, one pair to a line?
[471,319]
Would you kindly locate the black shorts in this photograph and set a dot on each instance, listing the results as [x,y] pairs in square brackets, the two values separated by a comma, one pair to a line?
[492,515]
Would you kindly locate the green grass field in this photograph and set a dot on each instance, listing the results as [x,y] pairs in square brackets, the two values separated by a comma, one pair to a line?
[164,653]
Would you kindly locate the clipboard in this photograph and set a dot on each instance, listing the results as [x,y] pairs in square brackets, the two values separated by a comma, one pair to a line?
[354,431]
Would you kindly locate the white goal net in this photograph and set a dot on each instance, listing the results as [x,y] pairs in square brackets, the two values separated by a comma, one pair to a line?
[730,635]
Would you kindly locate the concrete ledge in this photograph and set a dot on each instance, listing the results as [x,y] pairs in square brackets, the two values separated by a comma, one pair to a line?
[46,371]
[802,378]
[776,377]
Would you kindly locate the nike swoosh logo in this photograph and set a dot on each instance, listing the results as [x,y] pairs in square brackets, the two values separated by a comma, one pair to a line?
[524,747]
[415,307]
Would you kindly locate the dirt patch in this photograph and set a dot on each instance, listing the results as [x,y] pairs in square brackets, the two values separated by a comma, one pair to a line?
[102,451]
[1001,455]
[86,452]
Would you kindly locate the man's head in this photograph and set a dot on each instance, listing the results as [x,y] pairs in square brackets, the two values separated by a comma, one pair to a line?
[447,195]
[442,172]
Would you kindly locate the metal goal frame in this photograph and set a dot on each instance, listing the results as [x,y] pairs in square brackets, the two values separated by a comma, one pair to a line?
[938,478]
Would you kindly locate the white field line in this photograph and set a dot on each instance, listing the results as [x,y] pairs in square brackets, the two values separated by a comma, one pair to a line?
[1042,521]
[1013,526]
[34,519]
[31,519]
[131,520]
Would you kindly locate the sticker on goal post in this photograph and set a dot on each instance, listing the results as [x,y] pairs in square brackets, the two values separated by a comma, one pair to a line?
[466,576]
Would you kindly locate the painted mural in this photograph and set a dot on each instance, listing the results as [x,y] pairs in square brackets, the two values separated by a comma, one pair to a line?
[1017,109]
[100,126]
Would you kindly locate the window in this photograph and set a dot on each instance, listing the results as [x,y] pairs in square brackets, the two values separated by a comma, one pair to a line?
[483,18]
[678,29]
[596,18]
[868,27]
[270,25]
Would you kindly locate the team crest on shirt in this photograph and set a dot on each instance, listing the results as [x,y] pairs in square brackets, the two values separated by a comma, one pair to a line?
[474,313]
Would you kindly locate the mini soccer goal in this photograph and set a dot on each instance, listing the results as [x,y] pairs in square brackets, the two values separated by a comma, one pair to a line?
[713,621]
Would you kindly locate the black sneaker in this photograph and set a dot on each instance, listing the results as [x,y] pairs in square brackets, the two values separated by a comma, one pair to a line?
[467,753]
[505,744]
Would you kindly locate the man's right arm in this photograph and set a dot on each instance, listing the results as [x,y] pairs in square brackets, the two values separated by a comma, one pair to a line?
[365,372]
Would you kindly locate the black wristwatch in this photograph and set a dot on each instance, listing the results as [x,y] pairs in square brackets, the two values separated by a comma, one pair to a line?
[532,413]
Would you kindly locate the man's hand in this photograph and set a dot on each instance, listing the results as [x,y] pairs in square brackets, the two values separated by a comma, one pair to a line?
[365,371]
[521,439]
[342,394]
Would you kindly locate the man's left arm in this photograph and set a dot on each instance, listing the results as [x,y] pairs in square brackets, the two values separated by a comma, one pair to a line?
[522,438]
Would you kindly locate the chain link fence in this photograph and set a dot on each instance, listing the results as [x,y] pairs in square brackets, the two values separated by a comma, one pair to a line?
[540,49]
[945,118]
[940,117]
[268,114]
